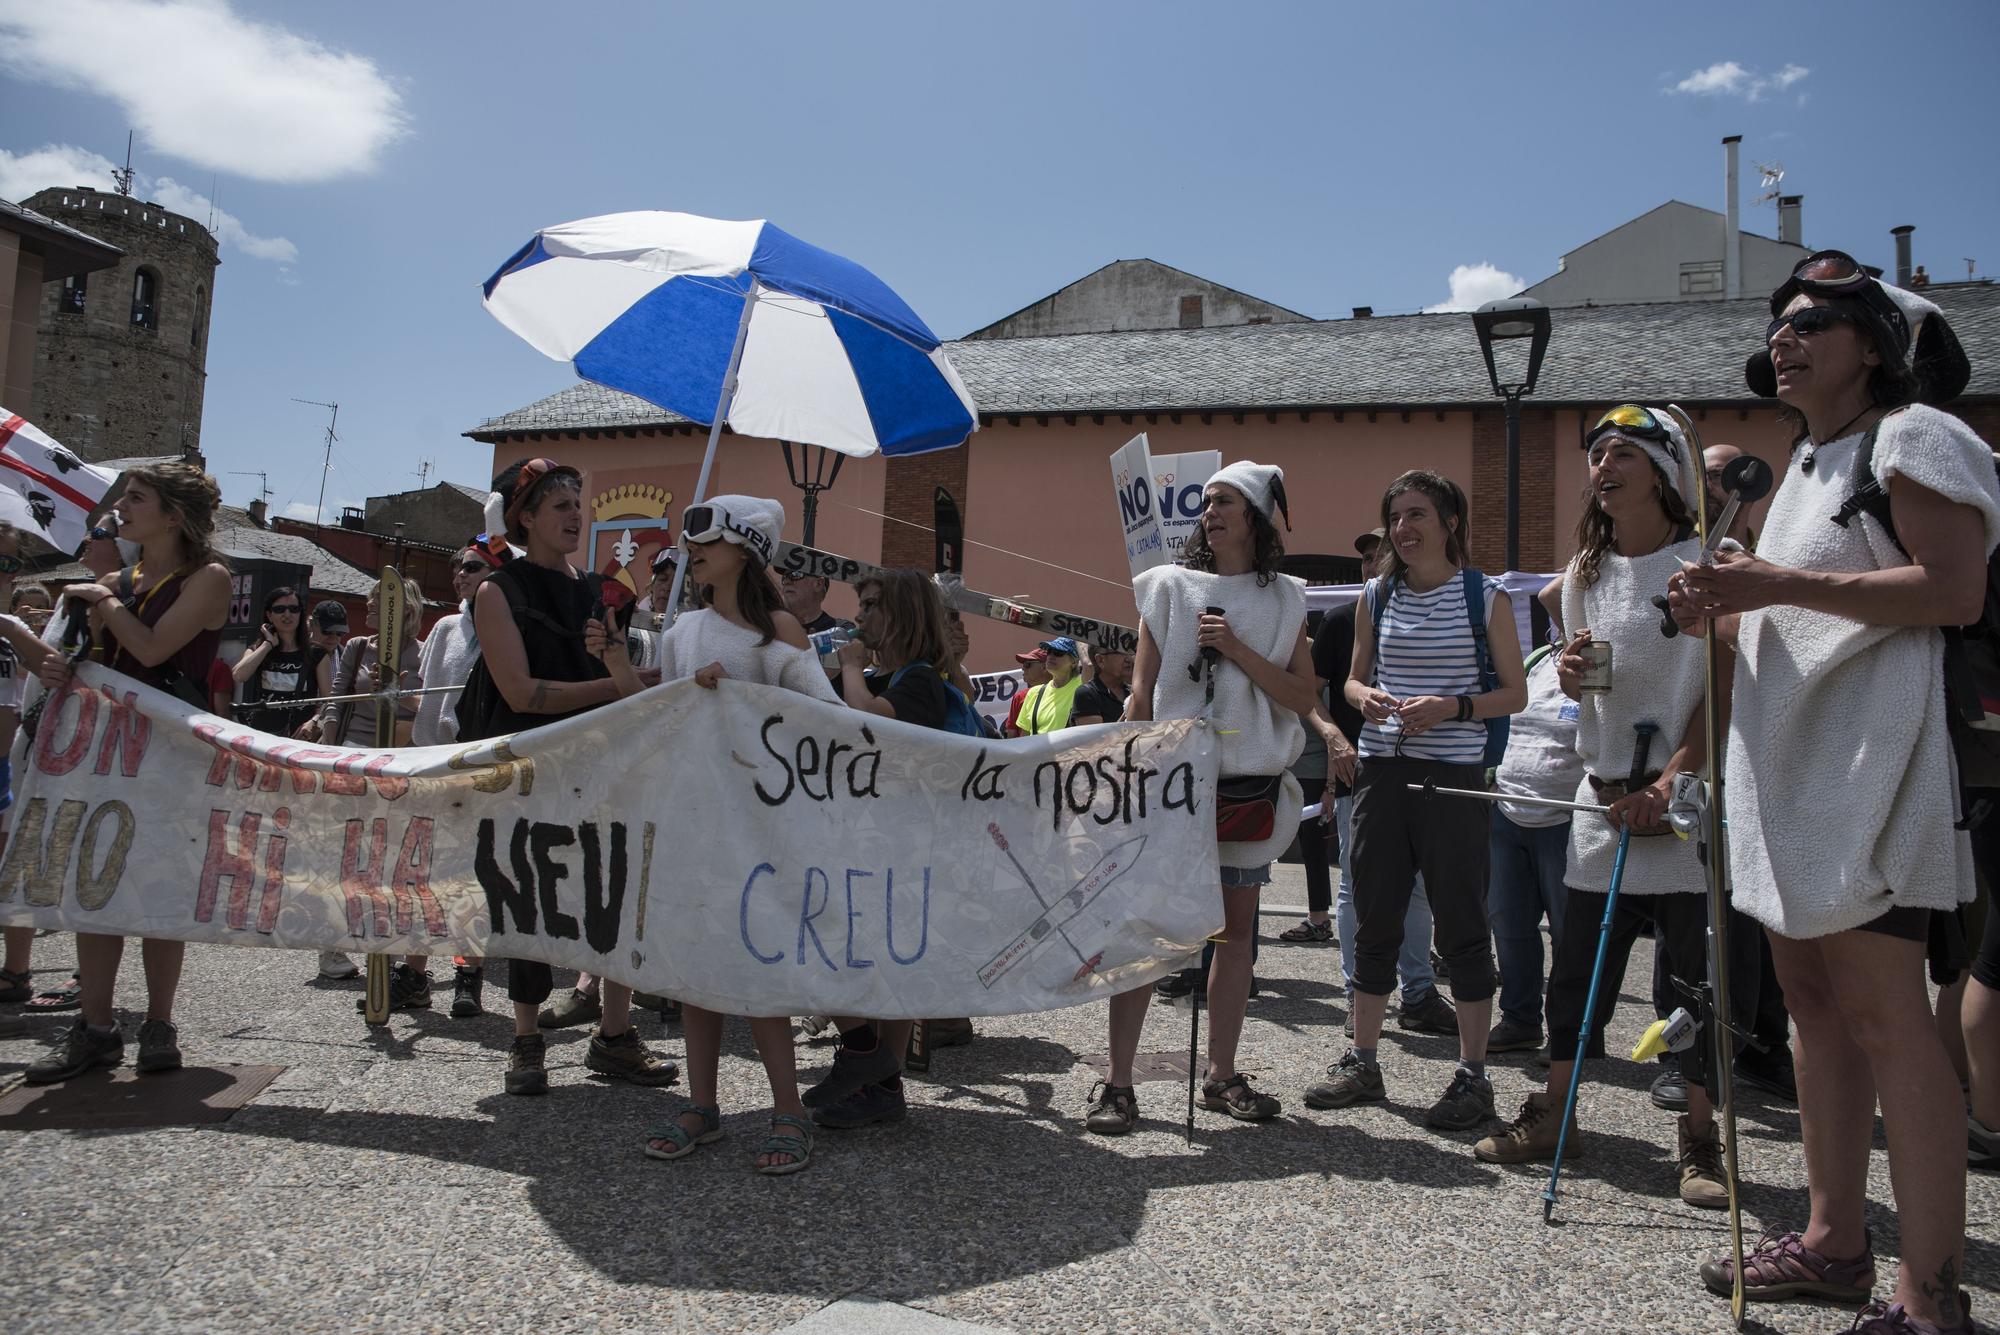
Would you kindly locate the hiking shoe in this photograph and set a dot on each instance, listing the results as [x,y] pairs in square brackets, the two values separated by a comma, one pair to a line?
[1542,1057]
[626,1058]
[334,965]
[159,1046]
[465,988]
[1308,931]
[851,1071]
[575,1009]
[1879,1318]
[1513,1036]
[1349,1081]
[1670,1090]
[1432,1015]
[526,1071]
[409,989]
[1982,1144]
[1113,1109]
[878,1102]
[1531,1135]
[1781,1267]
[1235,1097]
[1175,985]
[82,1049]
[947,1033]
[1702,1183]
[1467,1102]
[1769,1073]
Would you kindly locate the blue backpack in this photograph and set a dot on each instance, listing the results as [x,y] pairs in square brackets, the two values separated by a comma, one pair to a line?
[1489,678]
[960,716]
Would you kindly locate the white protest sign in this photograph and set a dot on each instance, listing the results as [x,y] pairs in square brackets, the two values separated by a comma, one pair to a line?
[746,849]
[1178,480]
[1132,479]
[993,694]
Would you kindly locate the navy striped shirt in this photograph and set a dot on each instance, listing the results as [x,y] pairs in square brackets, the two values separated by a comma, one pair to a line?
[1424,646]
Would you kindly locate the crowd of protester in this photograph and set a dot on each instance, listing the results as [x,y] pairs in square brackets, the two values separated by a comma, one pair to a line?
[1842,892]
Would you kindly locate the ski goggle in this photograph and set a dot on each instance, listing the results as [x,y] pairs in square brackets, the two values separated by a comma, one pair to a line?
[12,565]
[1835,274]
[707,523]
[1634,421]
[1808,320]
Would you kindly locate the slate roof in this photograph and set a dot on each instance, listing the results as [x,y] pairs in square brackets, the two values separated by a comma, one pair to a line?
[66,250]
[1691,352]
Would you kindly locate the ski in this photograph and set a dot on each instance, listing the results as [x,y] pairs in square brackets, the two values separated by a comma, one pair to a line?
[389,614]
[1714,860]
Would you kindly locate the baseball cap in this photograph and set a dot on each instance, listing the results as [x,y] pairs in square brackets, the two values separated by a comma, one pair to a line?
[329,615]
[664,558]
[1036,655]
[1062,644]
[1369,540]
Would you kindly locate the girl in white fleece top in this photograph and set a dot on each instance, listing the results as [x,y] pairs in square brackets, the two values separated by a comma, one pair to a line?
[1840,785]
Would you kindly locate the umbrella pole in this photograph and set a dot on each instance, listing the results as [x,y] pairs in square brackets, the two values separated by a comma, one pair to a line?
[722,404]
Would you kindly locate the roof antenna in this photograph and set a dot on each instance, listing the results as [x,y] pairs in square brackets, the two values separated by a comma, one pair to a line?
[214,181]
[326,466]
[124,178]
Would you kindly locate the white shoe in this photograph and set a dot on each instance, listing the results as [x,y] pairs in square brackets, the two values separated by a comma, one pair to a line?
[333,964]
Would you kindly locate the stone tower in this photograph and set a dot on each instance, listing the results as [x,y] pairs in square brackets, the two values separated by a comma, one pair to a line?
[120,353]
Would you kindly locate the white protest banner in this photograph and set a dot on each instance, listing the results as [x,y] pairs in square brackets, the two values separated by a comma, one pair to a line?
[1178,480]
[747,849]
[1132,479]
[993,694]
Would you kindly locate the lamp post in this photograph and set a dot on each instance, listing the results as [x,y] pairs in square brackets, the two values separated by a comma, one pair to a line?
[809,473]
[1508,322]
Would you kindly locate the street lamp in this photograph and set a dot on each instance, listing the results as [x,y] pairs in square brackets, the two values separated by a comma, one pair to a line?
[810,474]
[1510,322]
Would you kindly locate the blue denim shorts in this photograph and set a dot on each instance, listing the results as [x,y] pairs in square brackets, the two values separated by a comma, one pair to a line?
[1259,875]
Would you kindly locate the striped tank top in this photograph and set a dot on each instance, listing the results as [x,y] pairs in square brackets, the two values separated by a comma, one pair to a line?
[1424,646]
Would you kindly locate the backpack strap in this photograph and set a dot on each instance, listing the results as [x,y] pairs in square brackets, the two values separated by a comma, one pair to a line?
[1475,612]
[1869,496]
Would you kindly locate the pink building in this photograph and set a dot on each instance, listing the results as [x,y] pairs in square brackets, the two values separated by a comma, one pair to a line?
[1342,405]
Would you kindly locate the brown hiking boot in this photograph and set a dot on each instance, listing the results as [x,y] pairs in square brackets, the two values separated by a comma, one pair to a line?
[1702,1182]
[1531,1135]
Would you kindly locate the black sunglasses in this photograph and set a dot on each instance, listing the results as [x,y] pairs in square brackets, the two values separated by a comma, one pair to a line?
[285,609]
[472,567]
[1807,321]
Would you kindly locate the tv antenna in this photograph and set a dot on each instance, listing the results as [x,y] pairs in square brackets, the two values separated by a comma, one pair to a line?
[1774,175]
[326,465]
[263,482]
[123,177]
[1970,265]
[423,471]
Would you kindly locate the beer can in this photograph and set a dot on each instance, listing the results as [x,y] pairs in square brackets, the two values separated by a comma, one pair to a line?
[1596,667]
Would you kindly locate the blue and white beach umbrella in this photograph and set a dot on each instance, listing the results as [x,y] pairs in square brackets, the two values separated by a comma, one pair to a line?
[735,322]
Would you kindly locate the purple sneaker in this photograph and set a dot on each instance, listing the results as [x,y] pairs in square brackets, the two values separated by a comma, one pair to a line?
[1781,1267]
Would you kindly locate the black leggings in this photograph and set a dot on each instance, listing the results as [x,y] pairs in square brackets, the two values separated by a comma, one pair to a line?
[1399,834]
[529,981]
[1319,882]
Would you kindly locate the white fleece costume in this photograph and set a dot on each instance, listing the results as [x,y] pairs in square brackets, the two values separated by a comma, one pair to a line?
[1841,790]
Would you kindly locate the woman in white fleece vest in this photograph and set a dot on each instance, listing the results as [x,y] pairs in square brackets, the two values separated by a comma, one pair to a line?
[1261,667]
[1840,786]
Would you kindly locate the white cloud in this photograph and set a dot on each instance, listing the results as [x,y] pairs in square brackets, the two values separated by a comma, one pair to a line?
[22,174]
[1727,78]
[1473,285]
[208,86]
[303,510]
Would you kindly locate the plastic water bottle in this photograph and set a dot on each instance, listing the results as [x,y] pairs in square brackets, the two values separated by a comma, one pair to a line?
[827,644]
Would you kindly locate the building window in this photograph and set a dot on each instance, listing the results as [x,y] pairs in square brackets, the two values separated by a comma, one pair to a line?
[194,327]
[1701,278]
[71,300]
[146,300]
[1190,312]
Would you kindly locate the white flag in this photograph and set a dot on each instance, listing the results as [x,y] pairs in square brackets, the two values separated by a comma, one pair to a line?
[45,489]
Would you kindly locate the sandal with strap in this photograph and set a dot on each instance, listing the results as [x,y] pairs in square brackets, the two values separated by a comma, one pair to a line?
[1308,930]
[1235,1097]
[67,997]
[18,986]
[800,1147]
[685,1142]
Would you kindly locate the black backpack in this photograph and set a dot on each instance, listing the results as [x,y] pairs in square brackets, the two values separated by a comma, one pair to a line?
[1971,652]
[481,700]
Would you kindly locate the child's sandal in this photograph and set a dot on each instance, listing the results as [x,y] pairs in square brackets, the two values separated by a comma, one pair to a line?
[800,1147]
[683,1141]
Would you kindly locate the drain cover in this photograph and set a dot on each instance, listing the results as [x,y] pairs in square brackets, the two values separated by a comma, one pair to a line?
[193,1096]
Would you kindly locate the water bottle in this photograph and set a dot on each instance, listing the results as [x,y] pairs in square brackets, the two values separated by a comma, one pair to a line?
[827,644]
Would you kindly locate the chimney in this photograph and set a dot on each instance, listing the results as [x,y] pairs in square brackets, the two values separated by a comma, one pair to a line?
[1364,312]
[1732,225]
[1902,235]
[256,509]
[1791,228]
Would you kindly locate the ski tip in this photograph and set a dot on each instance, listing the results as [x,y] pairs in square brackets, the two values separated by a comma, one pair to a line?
[1089,966]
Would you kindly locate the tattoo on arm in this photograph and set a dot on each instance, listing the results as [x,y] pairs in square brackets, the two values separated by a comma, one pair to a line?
[537,704]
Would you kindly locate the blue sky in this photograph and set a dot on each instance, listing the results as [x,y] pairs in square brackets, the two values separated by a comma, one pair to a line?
[376,161]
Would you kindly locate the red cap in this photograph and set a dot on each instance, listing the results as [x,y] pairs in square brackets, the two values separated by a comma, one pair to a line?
[1032,656]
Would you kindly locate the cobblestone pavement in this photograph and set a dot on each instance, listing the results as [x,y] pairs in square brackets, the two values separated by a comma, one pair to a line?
[387,1183]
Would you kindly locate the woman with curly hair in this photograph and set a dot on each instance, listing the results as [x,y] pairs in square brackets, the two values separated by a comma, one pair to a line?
[159,621]
[1248,669]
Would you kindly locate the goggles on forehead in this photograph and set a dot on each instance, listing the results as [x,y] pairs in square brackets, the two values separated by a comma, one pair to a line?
[1634,422]
[1837,274]
[706,523]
